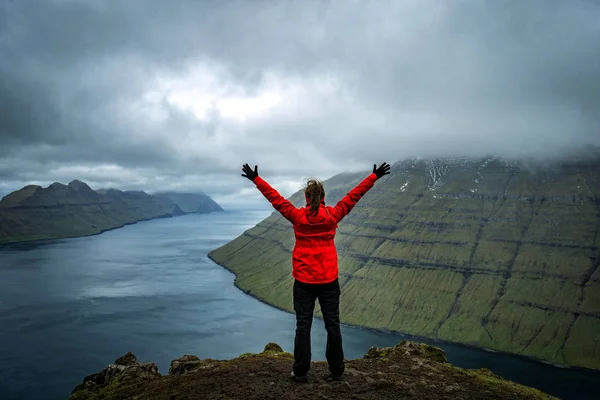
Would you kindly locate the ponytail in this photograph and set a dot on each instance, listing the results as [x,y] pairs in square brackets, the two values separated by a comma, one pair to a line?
[314,193]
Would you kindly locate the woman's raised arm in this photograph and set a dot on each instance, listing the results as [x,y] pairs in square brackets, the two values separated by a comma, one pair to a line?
[280,203]
[347,203]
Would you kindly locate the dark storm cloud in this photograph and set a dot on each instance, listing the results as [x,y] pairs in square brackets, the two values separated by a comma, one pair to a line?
[126,93]
[25,107]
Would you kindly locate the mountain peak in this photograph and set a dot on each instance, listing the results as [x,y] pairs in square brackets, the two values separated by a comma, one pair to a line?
[79,185]
[19,195]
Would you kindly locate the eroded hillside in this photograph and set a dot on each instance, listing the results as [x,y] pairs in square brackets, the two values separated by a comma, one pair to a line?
[491,253]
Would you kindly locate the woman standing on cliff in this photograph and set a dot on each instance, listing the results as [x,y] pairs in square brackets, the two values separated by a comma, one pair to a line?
[315,263]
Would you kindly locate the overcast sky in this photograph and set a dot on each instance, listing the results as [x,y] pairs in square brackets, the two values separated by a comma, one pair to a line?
[179,94]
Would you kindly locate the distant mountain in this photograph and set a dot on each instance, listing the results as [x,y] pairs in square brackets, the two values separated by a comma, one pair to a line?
[488,252]
[192,202]
[60,211]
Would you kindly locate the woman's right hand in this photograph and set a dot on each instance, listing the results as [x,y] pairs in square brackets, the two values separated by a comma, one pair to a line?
[248,173]
[383,169]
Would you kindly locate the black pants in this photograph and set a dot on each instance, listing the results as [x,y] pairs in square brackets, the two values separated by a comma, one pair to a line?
[305,295]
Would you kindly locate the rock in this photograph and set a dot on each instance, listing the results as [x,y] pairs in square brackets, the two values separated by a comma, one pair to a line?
[384,383]
[273,348]
[139,371]
[451,388]
[378,352]
[406,348]
[354,372]
[127,359]
[125,369]
[184,364]
[418,362]
[433,353]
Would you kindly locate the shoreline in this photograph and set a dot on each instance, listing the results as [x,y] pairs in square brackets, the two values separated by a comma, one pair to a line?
[104,230]
[416,337]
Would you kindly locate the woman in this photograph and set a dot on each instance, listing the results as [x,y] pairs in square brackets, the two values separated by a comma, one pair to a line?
[315,263]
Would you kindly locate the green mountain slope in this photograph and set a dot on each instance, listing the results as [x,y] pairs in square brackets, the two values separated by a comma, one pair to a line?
[192,202]
[60,211]
[490,253]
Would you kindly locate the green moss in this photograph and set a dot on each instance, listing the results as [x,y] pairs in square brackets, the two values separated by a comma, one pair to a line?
[272,348]
[434,353]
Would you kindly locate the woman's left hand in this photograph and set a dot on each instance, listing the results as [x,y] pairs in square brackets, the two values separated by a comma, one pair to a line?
[248,173]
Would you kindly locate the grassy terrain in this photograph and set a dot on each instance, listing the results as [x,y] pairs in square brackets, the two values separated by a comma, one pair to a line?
[490,253]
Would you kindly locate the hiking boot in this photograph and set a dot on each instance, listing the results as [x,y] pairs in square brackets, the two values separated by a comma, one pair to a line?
[332,377]
[298,378]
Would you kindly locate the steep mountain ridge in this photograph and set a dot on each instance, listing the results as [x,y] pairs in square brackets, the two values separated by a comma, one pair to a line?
[60,211]
[494,253]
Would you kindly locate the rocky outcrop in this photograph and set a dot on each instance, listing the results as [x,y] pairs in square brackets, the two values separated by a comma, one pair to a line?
[125,369]
[273,348]
[412,349]
[493,253]
[185,364]
[408,370]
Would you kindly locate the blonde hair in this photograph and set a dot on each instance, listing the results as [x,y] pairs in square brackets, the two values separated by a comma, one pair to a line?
[314,192]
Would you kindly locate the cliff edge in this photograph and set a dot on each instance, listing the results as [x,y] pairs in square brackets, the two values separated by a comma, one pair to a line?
[408,370]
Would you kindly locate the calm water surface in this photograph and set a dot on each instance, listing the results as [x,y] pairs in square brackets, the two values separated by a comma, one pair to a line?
[70,307]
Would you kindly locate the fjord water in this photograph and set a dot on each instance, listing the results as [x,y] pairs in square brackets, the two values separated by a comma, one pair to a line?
[70,307]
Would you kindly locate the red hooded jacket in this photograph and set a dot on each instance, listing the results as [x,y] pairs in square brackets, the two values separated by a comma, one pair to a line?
[314,258]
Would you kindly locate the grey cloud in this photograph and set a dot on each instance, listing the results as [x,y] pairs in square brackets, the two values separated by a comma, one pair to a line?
[25,109]
[416,78]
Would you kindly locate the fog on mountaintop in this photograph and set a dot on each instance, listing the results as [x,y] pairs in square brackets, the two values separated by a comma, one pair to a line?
[155,96]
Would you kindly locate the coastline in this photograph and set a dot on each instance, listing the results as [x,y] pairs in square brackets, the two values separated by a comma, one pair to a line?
[103,230]
[415,337]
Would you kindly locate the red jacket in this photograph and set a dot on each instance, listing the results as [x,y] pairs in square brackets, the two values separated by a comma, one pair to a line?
[314,258]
